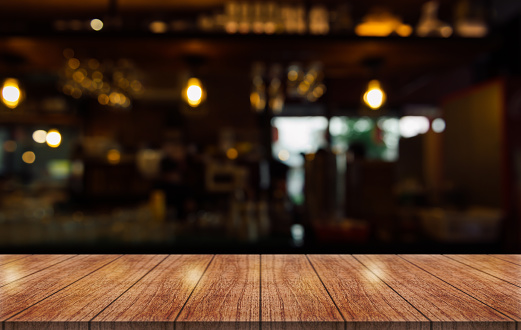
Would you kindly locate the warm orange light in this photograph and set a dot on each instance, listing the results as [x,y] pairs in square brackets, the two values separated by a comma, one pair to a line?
[374,97]
[232,153]
[11,94]
[194,93]
[28,157]
[158,27]
[113,156]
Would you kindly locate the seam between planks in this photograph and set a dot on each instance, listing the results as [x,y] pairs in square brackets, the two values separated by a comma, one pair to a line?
[74,256]
[52,294]
[493,256]
[16,260]
[430,321]
[482,271]
[126,290]
[191,293]
[329,294]
[459,290]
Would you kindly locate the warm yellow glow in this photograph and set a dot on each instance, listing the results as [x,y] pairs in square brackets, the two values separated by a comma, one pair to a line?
[113,156]
[374,97]
[40,136]
[96,24]
[97,76]
[404,30]
[74,63]
[283,155]
[257,102]
[103,99]
[194,93]
[446,31]
[53,138]
[78,76]
[158,27]
[114,97]
[11,94]
[375,29]
[382,24]
[292,75]
[232,153]
[28,157]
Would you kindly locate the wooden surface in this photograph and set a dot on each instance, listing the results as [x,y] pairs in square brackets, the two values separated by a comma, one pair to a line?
[227,296]
[260,291]
[293,293]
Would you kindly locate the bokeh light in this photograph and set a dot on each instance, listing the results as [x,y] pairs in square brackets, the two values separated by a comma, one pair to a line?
[374,97]
[113,156]
[11,93]
[53,138]
[40,136]
[194,93]
[28,157]
[232,153]
[438,125]
[96,24]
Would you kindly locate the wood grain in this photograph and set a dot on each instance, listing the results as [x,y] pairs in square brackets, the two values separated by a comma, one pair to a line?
[446,306]
[7,258]
[156,300]
[488,264]
[23,267]
[494,292]
[19,295]
[251,291]
[78,303]
[293,297]
[364,300]
[513,258]
[227,297]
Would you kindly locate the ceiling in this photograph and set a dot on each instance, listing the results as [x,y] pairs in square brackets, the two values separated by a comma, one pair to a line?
[405,60]
[409,10]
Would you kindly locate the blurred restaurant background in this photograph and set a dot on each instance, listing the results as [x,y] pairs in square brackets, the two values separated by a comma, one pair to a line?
[305,126]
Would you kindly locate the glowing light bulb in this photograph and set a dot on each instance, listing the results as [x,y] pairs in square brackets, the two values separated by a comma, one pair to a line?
[53,138]
[11,93]
[374,97]
[194,93]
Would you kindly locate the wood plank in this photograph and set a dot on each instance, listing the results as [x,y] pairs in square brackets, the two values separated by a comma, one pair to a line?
[364,300]
[293,297]
[488,264]
[227,296]
[513,258]
[494,292]
[23,267]
[75,305]
[156,300]
[7,258]
[19,295]
[446,306]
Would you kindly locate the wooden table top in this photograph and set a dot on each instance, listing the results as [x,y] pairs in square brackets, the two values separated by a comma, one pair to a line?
[260,291]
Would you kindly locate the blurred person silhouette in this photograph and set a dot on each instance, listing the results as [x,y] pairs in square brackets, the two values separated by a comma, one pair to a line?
[173,179]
